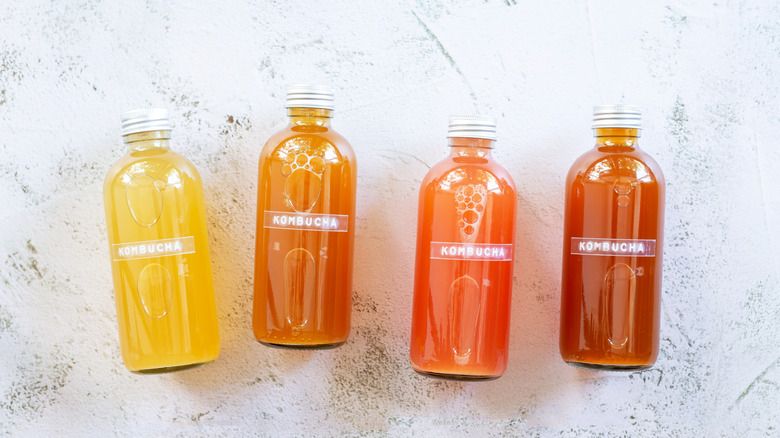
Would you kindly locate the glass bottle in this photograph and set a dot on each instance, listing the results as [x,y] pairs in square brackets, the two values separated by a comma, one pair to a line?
[159,251]
[612,248]
[305,228]
[463,270]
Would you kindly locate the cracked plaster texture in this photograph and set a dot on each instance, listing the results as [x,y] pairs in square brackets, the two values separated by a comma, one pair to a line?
[706,72]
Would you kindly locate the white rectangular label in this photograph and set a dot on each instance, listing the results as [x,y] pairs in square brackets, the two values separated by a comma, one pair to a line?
[471,251]
[306,221]
[153,248]
[613,247]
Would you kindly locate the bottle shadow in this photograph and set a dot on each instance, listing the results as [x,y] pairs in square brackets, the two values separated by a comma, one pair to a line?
[535,367]
[232,216]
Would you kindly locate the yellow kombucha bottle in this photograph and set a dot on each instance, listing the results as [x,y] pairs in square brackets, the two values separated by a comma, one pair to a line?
[305,228]
[159,251]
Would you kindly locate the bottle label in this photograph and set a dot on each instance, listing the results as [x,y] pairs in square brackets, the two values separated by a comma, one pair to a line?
[306,221]
[613,247]
[471,251]
[153,248]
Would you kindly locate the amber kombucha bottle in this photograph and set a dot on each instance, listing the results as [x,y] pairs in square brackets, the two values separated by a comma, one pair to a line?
[305,228]
[159,251]
[463,270]
[613,233]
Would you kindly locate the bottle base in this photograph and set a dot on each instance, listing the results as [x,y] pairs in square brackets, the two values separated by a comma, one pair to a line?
[609,367]
[456,377]
[172,369]
[303,346]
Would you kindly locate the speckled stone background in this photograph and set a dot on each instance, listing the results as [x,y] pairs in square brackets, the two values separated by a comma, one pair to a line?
[706,72]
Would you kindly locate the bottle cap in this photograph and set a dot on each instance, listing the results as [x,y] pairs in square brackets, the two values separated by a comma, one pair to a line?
[617,116]
[309,96]
[145,120]
[472,127]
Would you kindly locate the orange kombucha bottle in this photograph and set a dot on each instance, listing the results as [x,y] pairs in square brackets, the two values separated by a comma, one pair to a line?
[305,228]
[613,233]
[156,222]
[463,271]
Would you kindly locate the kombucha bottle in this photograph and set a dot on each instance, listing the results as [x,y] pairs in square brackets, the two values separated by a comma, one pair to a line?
[463,270]
[613,232]
[159,251]
[305,228]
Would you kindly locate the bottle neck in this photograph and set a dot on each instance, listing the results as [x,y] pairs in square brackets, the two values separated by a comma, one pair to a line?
[310,116]
[141,141]
[470,147]
[616,137]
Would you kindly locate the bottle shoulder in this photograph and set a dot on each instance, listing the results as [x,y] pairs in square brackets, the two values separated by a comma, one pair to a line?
[607,164]
[453,171]
[319,140]
[164,164]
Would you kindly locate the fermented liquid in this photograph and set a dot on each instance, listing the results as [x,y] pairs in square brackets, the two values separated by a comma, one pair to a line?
[159,252]
[463,271]
[613,233]
[305,228]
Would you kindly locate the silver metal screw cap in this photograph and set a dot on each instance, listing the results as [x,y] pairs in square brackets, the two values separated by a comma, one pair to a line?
[145,120]
[617,116]
[309,96]
[472,127]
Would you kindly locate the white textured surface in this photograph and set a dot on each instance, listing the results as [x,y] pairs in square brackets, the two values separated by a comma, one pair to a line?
[707,74]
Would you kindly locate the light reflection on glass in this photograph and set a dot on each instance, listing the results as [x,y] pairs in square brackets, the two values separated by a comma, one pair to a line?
[450,179]
[610,168]
[329,153]
[174,179]
[301,144]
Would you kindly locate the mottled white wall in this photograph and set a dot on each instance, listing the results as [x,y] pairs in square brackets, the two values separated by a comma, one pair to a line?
[706,72]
